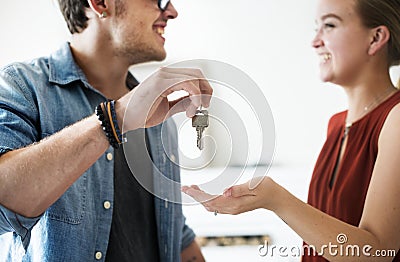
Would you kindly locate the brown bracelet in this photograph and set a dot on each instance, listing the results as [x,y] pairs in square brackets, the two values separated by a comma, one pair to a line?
[105,117]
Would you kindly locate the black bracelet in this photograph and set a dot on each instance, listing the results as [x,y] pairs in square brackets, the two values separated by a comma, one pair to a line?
[101,112]
[115,122]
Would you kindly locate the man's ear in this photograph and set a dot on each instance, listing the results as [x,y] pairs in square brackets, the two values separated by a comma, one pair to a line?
[100,7]
[379,37]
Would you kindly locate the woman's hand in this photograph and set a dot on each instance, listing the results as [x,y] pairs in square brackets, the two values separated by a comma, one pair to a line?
[261,192]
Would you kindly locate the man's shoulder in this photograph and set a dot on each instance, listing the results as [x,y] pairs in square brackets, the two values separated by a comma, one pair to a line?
[56,63]
[34,68]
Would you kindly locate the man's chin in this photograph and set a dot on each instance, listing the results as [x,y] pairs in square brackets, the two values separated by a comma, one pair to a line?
[153,58]
[156,56]
[161,57]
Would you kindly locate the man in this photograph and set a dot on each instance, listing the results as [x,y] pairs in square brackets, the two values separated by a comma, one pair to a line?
[65,194]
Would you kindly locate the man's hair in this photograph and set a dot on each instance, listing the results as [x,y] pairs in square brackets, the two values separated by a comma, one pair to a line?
[74,14]
[383,12]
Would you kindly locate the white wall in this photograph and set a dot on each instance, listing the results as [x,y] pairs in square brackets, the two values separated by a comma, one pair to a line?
[29,29]
[269,40]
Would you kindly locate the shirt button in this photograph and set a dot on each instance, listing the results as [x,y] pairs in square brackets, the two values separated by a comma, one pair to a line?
[173,158]
[109,156]
[107,204]
[98,255]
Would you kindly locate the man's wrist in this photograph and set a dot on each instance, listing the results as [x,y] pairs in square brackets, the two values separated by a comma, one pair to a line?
[106,114]
[119,114]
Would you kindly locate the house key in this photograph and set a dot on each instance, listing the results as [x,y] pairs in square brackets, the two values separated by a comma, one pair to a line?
[200,122]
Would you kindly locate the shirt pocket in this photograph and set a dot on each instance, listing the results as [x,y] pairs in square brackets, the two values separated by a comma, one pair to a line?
[70,207]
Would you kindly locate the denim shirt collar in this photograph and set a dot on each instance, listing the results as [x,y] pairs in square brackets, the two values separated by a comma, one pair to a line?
[63,69]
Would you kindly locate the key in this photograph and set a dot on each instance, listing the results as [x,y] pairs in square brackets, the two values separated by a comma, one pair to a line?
[200,122]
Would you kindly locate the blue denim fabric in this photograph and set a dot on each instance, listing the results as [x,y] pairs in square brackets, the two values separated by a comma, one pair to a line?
[40,98]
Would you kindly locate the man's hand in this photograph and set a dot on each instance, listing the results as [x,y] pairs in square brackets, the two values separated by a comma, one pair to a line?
[147,105]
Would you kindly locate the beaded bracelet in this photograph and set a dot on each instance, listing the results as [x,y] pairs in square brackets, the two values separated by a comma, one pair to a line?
[118,133]
[106,114]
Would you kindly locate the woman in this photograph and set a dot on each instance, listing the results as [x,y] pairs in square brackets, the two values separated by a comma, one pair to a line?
[355,187]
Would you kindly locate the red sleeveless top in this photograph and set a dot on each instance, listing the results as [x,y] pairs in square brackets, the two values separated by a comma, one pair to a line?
[345,199]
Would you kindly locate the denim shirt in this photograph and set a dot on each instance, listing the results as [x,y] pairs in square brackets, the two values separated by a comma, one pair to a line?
[41,97]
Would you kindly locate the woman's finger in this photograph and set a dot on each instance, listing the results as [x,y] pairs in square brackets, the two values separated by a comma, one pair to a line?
[196,193]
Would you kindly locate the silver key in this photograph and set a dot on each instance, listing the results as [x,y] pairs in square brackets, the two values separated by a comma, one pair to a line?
[200,122]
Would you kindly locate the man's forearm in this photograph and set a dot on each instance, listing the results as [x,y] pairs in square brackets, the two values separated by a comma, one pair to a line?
[34,177]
